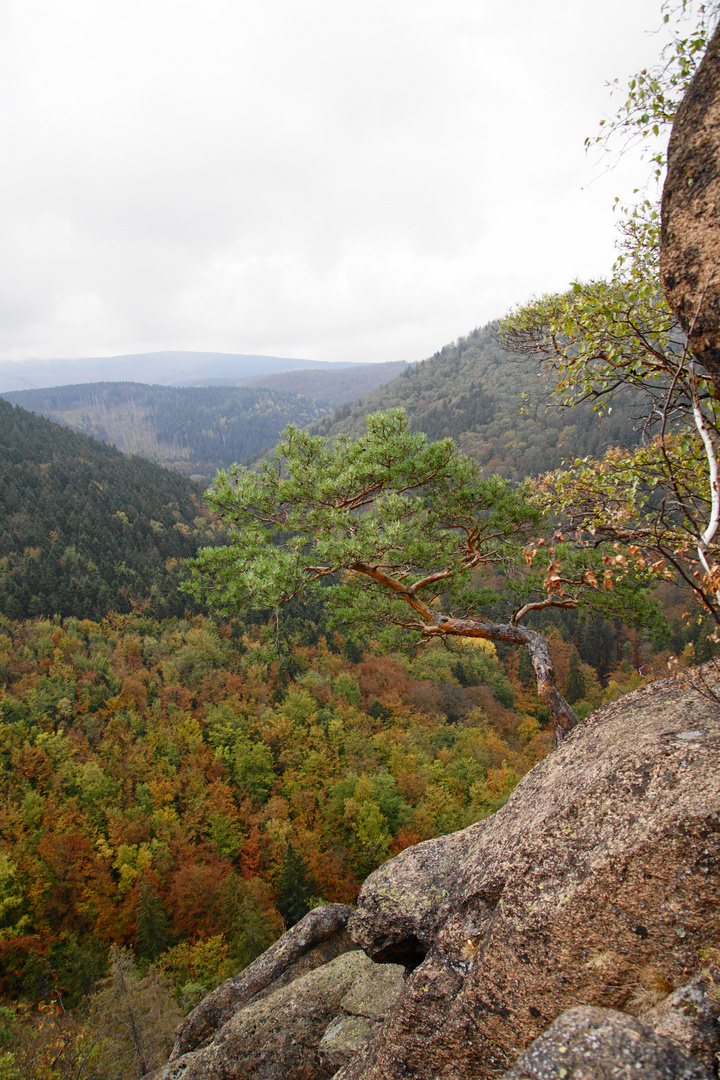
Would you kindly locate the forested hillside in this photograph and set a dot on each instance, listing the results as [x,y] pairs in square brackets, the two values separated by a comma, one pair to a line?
[189,786]
[85,529]
[197,430]
[472,391]
[193,430]
[183,787]
[176,368]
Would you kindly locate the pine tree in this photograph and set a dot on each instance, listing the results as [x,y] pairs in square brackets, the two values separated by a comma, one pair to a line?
[153,928]
[525,670]
[576,680]
[297,887]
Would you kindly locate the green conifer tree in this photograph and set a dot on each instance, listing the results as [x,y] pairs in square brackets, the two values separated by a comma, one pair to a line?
[575,690]
[297,887]
[153,935]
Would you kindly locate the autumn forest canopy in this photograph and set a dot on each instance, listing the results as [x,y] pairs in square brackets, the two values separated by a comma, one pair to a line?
[219,711]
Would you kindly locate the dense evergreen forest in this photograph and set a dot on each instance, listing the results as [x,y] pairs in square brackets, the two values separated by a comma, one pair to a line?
[193,430]
[197,430]
[85,529]
[473,391]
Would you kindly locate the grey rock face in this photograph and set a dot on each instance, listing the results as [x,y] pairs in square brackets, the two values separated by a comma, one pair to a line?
[605,861]
[600,1044]
[690,239]
[690,1017]
[302,1031]
[362,1011]
[412,895]
[314,941]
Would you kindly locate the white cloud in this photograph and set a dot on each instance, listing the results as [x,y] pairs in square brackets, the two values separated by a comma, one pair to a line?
[331,179]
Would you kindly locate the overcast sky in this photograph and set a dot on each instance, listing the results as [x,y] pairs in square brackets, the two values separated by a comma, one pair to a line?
[330,179]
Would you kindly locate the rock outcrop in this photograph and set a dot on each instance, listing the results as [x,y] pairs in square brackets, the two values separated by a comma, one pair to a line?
[604,864]
[690,240]
[312,942]
[362,1011]
[600,1044]
[690,1017]
[303,1031]
[595,885]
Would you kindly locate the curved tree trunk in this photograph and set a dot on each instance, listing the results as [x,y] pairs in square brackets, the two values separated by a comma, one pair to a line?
[437,625]
[538,650]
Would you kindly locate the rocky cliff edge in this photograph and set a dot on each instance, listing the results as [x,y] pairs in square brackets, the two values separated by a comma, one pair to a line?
[596,885]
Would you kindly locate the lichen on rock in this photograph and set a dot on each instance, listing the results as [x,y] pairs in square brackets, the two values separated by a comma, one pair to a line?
[304,1030]
[603,865]
[600,1044]
[605,860]
[312,942]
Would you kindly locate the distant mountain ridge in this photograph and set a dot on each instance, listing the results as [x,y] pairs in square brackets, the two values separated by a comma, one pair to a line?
[180,368]
[332,387]
[196,430]
[496,407]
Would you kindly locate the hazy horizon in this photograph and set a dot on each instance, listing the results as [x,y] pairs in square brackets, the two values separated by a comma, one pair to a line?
[341,183]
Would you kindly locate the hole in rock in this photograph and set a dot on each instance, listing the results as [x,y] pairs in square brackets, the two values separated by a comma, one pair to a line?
[410,952]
